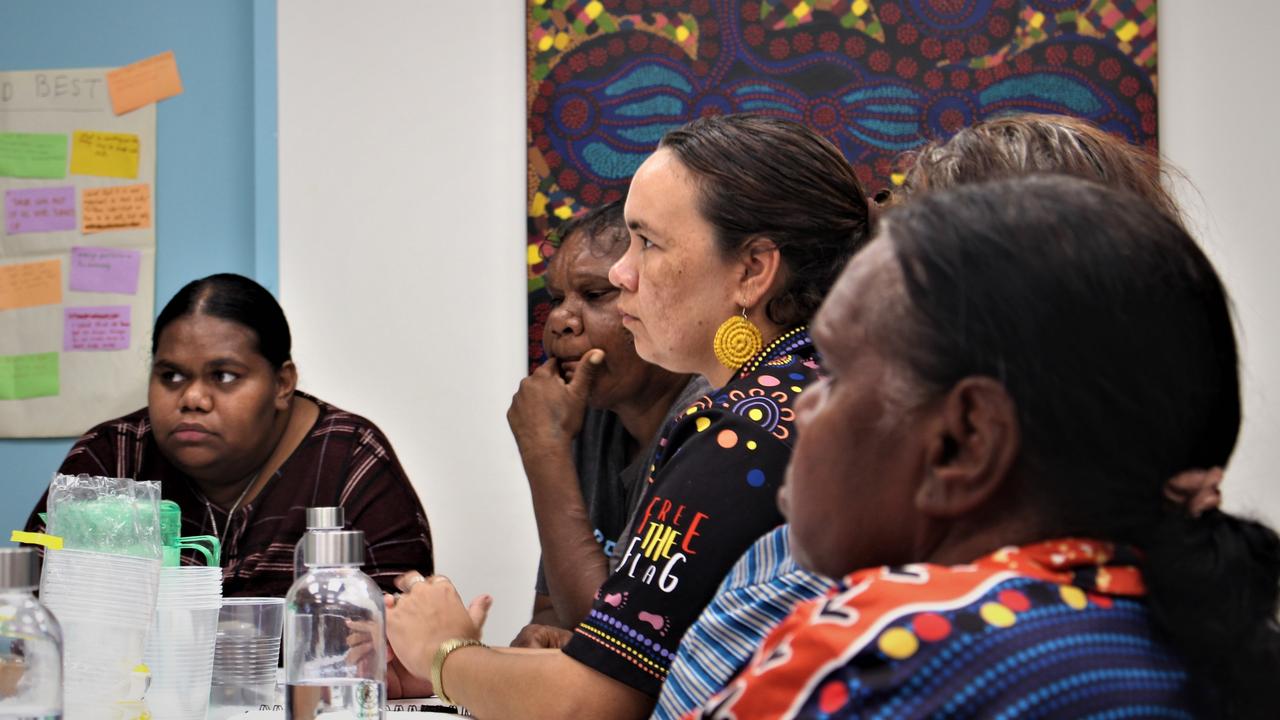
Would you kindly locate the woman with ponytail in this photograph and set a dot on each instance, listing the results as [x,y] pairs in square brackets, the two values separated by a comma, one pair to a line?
[1013,463]
[739,224]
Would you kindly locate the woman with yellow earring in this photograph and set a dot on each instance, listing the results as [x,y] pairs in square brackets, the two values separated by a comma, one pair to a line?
[739,225]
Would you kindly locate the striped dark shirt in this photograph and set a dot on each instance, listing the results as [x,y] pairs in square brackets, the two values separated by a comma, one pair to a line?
[344,460]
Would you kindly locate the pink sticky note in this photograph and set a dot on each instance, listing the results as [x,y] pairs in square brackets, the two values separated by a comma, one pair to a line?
[34,210]
[95,328]
[100,269]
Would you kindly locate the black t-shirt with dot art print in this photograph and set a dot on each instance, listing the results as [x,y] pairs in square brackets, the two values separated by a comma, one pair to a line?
[711,493]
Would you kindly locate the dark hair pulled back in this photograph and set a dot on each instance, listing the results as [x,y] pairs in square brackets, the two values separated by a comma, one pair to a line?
[237,299]
[1112,333]
[767,177]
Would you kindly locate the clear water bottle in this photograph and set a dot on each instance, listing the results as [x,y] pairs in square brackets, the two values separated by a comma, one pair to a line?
[30,643]
[319,520]
[335,649]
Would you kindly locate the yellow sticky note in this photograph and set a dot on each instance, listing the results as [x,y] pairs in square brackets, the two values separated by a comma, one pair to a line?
[115,208]
[30,284]
[53,542]
[104,154]
[144,82]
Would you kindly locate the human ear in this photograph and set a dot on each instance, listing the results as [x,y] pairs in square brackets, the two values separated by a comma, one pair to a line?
[761,269]
[973,446]
[286,383]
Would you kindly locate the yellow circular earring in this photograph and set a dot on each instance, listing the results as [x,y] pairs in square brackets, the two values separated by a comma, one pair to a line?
[737,341]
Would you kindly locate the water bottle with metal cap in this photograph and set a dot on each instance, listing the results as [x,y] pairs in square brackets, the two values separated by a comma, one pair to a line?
[335,650]
[30,643]
[319,520]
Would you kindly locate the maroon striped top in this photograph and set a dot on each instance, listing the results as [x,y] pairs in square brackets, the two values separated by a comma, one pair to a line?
[344,460]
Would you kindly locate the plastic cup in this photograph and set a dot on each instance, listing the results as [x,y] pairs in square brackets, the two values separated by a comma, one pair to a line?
[181,644]
[246,656]
[105,604]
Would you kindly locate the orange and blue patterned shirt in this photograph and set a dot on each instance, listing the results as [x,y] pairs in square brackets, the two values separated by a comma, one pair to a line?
[711,493]
[1057,629]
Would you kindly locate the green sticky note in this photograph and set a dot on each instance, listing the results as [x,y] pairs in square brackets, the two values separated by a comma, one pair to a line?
[28,376]
[33,155]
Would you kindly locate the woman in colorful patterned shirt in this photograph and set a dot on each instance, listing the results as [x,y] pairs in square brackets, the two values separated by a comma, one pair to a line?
[739,225]
[1016,369]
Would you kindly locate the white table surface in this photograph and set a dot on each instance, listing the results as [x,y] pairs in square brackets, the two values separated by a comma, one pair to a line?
[396,709]
[399,710]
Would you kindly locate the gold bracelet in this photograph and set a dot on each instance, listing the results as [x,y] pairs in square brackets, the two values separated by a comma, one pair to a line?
[437,665]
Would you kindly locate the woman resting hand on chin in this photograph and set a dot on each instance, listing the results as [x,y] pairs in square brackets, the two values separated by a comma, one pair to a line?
[244,453]
[739,224]
[586,423]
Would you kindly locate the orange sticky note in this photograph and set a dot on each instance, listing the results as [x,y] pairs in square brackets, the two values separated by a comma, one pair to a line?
[144,82]
[115,208]
[104,154]
[30,284]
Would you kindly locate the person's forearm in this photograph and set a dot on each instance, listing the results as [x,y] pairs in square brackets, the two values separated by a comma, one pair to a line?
[572,560]
[536,684]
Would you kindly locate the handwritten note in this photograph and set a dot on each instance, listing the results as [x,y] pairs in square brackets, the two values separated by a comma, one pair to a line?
[28,376]
[144,82]
[95,328]
[104,154]
[99,269]
[33,155]
[30,284]
[115,208]
[40,210]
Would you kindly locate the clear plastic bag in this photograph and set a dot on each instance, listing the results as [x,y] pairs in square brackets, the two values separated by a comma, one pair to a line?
[111,515]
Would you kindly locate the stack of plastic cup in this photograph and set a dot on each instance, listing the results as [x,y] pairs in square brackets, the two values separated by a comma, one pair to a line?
[246,656]
[106,605]
[180,648]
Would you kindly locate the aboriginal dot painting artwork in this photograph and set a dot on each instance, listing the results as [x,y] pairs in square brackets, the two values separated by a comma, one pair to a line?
[606,79]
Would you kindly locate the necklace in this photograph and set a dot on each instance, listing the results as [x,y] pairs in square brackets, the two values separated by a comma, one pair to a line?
[230,513]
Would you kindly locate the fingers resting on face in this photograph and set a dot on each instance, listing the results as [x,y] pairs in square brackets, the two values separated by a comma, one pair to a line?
[546,410]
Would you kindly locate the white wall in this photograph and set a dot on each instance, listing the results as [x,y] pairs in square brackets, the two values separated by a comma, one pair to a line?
[1218,110]
[402,159]
[402,223]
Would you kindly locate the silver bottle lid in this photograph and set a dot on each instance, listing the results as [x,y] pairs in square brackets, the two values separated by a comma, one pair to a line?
[19,569]
[326,518]
[341,547]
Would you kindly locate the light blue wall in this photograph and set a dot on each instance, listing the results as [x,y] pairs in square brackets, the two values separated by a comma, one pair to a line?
[216,162]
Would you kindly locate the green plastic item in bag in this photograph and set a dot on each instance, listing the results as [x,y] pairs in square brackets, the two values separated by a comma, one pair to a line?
[110,515]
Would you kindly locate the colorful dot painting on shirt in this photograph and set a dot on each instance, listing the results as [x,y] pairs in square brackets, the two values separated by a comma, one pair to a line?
[711,492]
[761,399]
